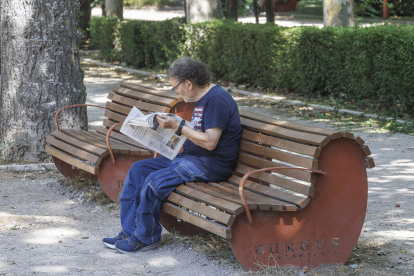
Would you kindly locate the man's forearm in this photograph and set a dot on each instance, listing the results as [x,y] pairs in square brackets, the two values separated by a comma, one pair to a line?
[203,139]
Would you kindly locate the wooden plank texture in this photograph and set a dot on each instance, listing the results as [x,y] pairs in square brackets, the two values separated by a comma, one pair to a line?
[279,155]
[217,202]
[197,207]
[125,139]
[277,181]
[333,134]
[152,91]
[269,191]
[79,143]
[144,96]
[201,222]
[369,162]
[115,116]
[293,135]
[74,150]
[71,160]
[281,143]
[138,104]
[256,162]
[118,108]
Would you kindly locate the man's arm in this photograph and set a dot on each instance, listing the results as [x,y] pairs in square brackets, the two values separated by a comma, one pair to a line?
[207,140]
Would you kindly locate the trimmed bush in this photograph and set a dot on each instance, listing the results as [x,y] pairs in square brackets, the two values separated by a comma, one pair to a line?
[151,44]
[351,63]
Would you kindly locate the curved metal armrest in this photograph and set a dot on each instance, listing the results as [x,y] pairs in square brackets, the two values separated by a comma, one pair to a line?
[75,105]
[108,134]
[247,175]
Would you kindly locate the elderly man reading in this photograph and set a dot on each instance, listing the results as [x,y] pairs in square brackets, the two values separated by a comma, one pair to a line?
[209,154]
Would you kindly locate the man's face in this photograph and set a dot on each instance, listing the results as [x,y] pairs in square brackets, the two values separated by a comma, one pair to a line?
[185,89]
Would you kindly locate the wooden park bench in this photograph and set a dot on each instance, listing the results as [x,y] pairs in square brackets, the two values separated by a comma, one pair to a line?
[297,196]
[107,158]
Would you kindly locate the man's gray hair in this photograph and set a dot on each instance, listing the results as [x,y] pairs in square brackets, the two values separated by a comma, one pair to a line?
[187,68]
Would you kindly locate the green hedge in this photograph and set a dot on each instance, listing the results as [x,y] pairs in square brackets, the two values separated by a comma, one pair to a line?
[350,63]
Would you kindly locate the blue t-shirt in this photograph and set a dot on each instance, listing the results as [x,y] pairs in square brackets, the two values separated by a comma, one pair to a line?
[216,108]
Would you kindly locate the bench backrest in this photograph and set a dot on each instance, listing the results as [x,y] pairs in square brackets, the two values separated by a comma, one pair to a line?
[267,142]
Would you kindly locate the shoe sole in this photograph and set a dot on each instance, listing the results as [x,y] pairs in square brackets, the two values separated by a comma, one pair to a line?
[112,246]
[148,247]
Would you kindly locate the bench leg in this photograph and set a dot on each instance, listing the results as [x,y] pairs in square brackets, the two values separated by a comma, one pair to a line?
[70,171]
[324,232]
[112,176]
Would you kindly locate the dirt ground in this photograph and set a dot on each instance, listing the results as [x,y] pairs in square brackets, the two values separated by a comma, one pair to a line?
[48,227]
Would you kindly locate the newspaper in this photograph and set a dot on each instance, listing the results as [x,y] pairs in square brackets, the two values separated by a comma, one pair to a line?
[146,130]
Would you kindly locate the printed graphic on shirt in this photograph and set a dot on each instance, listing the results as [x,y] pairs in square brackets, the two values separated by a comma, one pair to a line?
[197,118]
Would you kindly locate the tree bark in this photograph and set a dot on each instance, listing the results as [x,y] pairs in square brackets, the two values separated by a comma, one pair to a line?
[270,11]
[256,10]
[41,73]
[86,12]
[231,9]
[114,8]
[338,13]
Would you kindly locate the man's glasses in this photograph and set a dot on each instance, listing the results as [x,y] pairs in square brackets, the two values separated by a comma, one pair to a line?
[175,87]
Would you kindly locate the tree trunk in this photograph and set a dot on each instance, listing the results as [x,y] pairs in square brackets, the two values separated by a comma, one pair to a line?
[86,10]
[338,13]
[41,73]
[114,8]
[270,11]
[256,10]
[103,10]
[231,9]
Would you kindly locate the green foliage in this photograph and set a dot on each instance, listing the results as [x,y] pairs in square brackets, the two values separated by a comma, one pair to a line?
[242,53]
[105,33]
[374,8]
[151,44]
[349,64]
[141,3]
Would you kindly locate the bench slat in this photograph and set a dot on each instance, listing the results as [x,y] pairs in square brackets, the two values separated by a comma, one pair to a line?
[277,181]
[269,191]
[149,90]
[115,116]
[71,160]
[101,141]
[307,138]
[201,187]
[201,222]
[279,155]
[259,163]
[108,123]
[126,140]
[197,207]
[80,144]
[122,109]
[222,204]
[138,104]
[261,204]
[333,134]
[144,96]
[73,150]
[230,197]
[281,143]
[125,148]
[275,204]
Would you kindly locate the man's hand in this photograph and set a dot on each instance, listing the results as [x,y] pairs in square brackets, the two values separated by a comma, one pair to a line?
[167,122]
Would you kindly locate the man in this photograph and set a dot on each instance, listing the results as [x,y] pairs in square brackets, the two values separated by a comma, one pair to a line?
[210,154]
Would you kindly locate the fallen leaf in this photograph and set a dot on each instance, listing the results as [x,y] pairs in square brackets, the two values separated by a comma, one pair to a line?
[13,207]
[60,241]
[403,251]
[47,199]
[397,206]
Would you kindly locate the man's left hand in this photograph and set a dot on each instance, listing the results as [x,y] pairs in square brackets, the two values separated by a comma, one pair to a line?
[167,122]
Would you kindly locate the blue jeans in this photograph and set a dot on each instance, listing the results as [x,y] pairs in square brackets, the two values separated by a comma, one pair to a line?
[148,183]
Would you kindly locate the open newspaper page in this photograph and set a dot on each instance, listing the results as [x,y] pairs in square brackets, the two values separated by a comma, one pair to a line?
[146,130]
